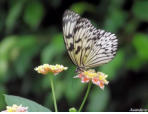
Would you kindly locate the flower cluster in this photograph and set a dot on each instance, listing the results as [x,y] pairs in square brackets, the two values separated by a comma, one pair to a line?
[46,68]
[97,78]
[15,108]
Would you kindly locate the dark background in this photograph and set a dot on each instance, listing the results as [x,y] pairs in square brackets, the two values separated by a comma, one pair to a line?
[31,34]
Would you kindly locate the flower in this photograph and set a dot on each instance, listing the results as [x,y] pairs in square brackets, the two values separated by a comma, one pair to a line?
[15,108]
[97,78]
[46,68]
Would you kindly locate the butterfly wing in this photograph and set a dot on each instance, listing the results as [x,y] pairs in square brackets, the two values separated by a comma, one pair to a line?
[84,33]
[87,46]
[104,49]
[69,22]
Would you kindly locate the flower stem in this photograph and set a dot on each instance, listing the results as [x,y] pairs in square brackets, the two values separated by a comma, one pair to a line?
[85,97]
[53,94]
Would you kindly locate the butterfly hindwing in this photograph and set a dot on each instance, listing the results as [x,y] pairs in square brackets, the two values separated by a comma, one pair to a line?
[104,49]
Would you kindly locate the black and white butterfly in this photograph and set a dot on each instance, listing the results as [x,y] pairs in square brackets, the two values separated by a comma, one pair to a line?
[87,46]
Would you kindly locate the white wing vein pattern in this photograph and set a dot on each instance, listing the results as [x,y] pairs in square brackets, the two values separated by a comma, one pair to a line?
[69,21]
[84,32]
[104,49]
[87,46]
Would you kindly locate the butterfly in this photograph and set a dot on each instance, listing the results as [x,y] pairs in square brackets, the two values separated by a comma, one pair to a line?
[87,46]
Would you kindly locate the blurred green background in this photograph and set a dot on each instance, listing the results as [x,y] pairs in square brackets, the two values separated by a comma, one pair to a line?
[31,34]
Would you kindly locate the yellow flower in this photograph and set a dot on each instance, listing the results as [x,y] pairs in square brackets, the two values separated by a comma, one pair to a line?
[97,78]
[90,73]
[46,68]
[15,108]
[102,77]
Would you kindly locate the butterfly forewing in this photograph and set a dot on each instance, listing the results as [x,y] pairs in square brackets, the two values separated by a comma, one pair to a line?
[69,22]
[87,46]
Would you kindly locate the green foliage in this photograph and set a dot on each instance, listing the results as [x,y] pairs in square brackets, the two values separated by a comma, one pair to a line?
[112,68]
[2,101]
[73,90]
[5,53]
[98,100]
[115,20]
[6,45]
[81,7]
[32,106]
[140,9]
[28,48]
[13,15]
[140,43]
[135,63]
[49,53]
[34,13]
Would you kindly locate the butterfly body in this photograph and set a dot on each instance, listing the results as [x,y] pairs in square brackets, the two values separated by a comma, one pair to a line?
[80,69]
[87,46]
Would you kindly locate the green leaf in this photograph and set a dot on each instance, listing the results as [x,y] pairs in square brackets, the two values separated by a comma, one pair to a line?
[47,54]
[98,100]
[28,47]
[131,26]
[112,67]
[59,89]
[49,100]
[54,49]
[32,106]
[6,47]
[4,67]
[139,9]
[58,42]
[2,102]
[81,7]
[134,63]
[140,41]
[139,57]
[74,88]
[34,13]
[13,14]
[115,20]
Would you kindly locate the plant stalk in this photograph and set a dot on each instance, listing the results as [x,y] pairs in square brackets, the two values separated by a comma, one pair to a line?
[85,97]
[53,94]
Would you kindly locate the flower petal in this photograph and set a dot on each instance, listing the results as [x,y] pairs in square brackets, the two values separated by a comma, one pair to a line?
[97,78]
[85,80]
[15,108]
[46,68]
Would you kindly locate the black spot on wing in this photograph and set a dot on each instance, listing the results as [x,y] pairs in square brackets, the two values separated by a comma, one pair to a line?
[76,29]
[71,48]
[94,38]
[87,48]
[88,40]
[78,50]
[69,36]
[77,41]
